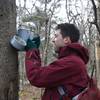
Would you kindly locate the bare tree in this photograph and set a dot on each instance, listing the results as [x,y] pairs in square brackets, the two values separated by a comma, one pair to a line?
[8,56]
[96,9]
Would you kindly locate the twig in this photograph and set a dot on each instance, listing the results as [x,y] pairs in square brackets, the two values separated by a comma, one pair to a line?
[95,15]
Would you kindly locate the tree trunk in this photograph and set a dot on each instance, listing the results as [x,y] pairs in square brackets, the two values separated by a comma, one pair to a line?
[8,56]
[98,62]
[98,46]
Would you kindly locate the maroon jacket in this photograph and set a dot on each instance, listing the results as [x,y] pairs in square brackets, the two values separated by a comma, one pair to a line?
[68,71]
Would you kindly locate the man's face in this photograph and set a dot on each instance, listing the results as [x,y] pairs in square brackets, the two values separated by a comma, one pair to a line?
[58,40]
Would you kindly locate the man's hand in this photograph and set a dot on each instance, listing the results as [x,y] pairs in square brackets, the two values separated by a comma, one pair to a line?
[34,43]
[37,40]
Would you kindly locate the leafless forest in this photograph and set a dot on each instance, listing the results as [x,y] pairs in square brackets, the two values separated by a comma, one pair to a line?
[41,17]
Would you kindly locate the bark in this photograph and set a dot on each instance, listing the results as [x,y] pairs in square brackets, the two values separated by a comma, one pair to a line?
[98,62]
[46,35]
[98,46]
[8,55]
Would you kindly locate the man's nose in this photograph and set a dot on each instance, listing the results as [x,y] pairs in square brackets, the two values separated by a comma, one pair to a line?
[53,40]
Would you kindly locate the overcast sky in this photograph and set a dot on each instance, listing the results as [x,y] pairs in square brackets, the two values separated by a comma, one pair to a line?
[81,5]
[61,14]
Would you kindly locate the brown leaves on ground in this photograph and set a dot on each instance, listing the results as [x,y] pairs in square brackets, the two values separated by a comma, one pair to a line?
[30,93]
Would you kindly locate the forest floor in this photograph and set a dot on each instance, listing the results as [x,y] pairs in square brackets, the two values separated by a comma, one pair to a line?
[30,93]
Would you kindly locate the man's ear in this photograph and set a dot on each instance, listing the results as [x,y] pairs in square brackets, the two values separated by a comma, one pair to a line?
[67,40]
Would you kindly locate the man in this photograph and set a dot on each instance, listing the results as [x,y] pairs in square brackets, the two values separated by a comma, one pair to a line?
[66,77]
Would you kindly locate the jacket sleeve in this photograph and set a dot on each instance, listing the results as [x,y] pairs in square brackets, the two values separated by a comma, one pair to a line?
[47,76]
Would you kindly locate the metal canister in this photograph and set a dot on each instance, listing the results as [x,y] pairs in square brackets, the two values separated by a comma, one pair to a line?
[24,33]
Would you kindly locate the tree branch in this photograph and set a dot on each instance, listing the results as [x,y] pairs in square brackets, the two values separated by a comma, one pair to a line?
[95,15]
[95,11]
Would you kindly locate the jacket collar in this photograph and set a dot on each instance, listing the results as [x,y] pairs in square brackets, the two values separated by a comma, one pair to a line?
[74,49]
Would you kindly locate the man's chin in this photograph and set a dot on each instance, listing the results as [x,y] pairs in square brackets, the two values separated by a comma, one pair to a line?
[56,49]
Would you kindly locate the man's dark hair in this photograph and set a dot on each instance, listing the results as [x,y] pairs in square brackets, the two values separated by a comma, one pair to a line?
[69,30]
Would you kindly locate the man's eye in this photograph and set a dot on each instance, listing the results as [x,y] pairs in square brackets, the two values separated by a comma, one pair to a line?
[55,35]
